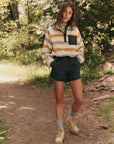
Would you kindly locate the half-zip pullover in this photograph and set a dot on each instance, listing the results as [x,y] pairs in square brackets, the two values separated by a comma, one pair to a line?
[62,42]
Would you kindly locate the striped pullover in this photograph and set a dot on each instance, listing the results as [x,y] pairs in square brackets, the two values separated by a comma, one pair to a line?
[62,43]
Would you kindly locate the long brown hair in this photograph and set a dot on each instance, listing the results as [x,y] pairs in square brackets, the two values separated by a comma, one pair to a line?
[72,21]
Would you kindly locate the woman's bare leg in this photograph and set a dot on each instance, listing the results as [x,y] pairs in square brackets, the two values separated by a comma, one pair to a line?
[59,95]
[77,93]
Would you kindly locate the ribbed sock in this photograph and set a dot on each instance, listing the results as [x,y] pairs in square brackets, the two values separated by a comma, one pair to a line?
[60,122]
[73,113]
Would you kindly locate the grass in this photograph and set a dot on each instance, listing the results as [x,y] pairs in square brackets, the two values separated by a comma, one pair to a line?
[108,111]
[26,66]
[3,130]
[32,73]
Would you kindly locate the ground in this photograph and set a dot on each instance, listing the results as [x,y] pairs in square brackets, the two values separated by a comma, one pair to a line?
[30,112]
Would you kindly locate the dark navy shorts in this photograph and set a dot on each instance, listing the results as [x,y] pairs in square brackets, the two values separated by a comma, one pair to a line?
[65,69]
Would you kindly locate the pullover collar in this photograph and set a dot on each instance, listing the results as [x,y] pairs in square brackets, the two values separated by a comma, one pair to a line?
[63,29]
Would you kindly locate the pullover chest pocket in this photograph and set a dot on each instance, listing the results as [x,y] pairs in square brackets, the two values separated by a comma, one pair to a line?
[72,40]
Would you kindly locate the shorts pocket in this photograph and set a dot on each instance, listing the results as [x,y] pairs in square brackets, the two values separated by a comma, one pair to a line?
[72,40]
[74,60]
[56,62]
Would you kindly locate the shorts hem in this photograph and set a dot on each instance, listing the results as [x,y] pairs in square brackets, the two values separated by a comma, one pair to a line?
[75,79]
[66,80]
[57,79]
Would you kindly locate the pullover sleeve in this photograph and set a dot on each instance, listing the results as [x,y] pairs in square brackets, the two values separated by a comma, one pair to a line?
[47,50]
[80,50]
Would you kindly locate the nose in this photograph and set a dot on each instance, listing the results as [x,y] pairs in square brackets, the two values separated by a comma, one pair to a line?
[66,14]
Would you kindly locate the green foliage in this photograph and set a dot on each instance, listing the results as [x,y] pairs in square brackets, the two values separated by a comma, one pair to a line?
[110,71]
[18,41]
[44,81]
[29,57]
[94,24]
[88,74]
[3,130]
[107,111]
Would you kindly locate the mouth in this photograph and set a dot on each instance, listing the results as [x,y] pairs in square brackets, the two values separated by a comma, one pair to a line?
[65,18]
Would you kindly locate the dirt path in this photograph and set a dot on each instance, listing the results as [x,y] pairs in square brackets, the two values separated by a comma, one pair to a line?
[30,111]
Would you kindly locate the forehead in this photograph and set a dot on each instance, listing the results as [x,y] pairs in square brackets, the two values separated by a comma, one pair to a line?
[68,8]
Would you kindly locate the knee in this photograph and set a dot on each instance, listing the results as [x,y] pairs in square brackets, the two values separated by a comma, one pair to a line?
[78,101]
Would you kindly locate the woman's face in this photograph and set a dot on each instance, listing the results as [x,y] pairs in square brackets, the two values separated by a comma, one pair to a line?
[67,14]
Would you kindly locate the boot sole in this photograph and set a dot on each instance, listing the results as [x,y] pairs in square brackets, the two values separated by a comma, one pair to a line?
[71,130]
[59,142]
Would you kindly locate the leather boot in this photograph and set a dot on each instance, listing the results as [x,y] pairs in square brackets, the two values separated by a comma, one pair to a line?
[60,136]
[71,121]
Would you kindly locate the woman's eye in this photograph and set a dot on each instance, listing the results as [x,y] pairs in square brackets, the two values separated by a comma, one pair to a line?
[70,12]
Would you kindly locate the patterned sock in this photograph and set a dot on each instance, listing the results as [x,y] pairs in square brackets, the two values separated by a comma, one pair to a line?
[73,113]
[60,122]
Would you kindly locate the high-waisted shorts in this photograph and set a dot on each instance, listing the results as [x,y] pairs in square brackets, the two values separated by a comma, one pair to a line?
[65,69]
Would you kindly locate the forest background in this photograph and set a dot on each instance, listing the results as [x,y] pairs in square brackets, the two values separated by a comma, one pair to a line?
[23,24]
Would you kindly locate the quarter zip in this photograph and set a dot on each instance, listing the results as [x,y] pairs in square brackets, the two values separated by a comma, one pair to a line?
[65,33]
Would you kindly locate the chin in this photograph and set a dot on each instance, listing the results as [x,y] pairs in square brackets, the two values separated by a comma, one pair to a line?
[65,21]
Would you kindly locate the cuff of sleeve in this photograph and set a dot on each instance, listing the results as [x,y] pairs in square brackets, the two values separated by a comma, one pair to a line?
[50,61]
[81,60]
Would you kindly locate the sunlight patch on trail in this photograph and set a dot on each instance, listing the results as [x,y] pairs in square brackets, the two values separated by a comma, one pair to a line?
[4,78]
[10,72]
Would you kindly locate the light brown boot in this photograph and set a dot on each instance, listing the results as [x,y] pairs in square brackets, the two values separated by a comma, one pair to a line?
[60,136]
[71,121]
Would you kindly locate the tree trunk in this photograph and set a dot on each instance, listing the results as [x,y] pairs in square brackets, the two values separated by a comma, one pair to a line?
[14,9]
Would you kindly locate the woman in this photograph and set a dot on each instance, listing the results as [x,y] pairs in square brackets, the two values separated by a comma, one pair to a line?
[63,50]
